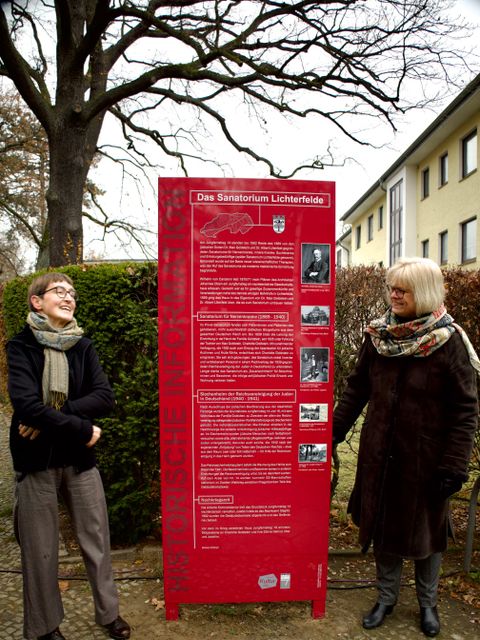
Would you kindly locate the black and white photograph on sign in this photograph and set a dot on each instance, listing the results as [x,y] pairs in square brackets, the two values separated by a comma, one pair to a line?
[315,263]
[309,413]
[313,412]
[312,452]
[316,315]
[314,364]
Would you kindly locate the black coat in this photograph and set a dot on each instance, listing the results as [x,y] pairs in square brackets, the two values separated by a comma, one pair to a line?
[420,423]
[318,266]
[63,434]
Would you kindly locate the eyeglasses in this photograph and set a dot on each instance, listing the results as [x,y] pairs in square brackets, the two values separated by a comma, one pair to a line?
[62,292]
[397,291]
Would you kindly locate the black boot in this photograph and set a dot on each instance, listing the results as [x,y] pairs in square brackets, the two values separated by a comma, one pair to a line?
[56,634]
[377,615]
[429,621]
[119,629]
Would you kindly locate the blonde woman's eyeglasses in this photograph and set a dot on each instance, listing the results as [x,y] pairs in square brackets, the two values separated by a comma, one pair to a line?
[397,291]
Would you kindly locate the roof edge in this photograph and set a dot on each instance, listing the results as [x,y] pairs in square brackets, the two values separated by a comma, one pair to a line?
[466,93]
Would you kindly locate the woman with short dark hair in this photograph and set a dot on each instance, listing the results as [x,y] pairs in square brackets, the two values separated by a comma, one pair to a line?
[58,390]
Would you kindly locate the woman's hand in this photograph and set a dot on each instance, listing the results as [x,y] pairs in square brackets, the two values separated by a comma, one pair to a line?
[97,432]
[448,485]
[28,432]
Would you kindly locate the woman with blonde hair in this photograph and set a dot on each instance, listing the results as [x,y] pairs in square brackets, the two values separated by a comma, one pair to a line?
[416,371]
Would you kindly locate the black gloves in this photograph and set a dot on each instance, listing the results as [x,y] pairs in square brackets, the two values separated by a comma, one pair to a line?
[336,440]
[448,484]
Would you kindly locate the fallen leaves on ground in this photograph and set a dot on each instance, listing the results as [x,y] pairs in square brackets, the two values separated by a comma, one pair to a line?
[156,603]
[63,585]
[462,588]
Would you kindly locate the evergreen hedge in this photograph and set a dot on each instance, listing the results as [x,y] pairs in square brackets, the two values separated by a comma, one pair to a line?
[117,309]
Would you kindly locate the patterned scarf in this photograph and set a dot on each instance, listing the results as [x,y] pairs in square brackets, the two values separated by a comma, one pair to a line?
[56,342]
[419,337]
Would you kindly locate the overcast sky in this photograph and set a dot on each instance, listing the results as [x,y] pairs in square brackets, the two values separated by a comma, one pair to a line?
[139,200]
[354,179]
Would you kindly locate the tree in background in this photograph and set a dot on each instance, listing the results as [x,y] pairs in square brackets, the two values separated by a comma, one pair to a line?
[11,262]
[24,176]
[166,72]
[23,182]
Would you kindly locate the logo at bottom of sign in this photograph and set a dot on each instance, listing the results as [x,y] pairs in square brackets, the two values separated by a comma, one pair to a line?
[270,580]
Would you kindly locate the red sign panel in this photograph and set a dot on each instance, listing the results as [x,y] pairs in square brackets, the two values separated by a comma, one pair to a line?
[246,311]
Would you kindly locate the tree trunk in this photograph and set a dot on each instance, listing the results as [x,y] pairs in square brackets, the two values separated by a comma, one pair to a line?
[68,172]
[43,257]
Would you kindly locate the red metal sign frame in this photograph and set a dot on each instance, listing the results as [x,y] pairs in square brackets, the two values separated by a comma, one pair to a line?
[246,326]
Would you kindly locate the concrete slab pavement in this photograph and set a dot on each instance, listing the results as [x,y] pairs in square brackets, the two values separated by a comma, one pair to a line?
[141,593]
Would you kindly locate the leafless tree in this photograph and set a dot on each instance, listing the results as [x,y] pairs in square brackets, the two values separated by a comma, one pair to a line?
[23,185]
[156,66]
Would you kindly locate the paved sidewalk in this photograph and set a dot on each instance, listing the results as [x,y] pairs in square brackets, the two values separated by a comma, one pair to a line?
[140,592]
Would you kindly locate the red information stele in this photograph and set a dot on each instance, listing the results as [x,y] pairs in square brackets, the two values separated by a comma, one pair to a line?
[246,314]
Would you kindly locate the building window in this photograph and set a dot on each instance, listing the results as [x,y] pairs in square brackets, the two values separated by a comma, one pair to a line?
[443,173]
[425,183]
[396,214]
[370,228]
[425,248]
[469,154]
[469,240]
[358,237]
[339,258]
[443,237]
[380,217]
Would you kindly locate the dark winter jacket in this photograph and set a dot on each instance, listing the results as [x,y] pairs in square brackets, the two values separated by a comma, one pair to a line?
[419,427]
[65,433]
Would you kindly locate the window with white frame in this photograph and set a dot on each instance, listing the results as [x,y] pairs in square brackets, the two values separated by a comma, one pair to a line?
[370,228]
[425,183]
[443,247]
[358,237]
[469,240]
[469,154]
[380,217]
[425,248]
[443,169]
[396,215]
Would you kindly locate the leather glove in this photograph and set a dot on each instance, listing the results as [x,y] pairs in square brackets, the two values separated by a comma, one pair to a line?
[336,440]
[448,485]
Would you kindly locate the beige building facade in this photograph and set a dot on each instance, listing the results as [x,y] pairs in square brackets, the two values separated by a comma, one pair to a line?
[428,202]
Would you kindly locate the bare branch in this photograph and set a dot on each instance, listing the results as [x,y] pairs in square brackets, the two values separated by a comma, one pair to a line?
[343,64]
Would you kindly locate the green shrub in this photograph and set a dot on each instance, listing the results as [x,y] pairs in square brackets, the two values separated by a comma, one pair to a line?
[117,309]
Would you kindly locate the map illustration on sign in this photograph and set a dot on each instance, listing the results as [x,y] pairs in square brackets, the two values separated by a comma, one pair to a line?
[233,222]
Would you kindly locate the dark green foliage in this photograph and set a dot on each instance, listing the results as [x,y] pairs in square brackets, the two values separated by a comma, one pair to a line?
[118,310]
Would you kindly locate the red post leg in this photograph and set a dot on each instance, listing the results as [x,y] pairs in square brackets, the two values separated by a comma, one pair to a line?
[171,611]
[318,608]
